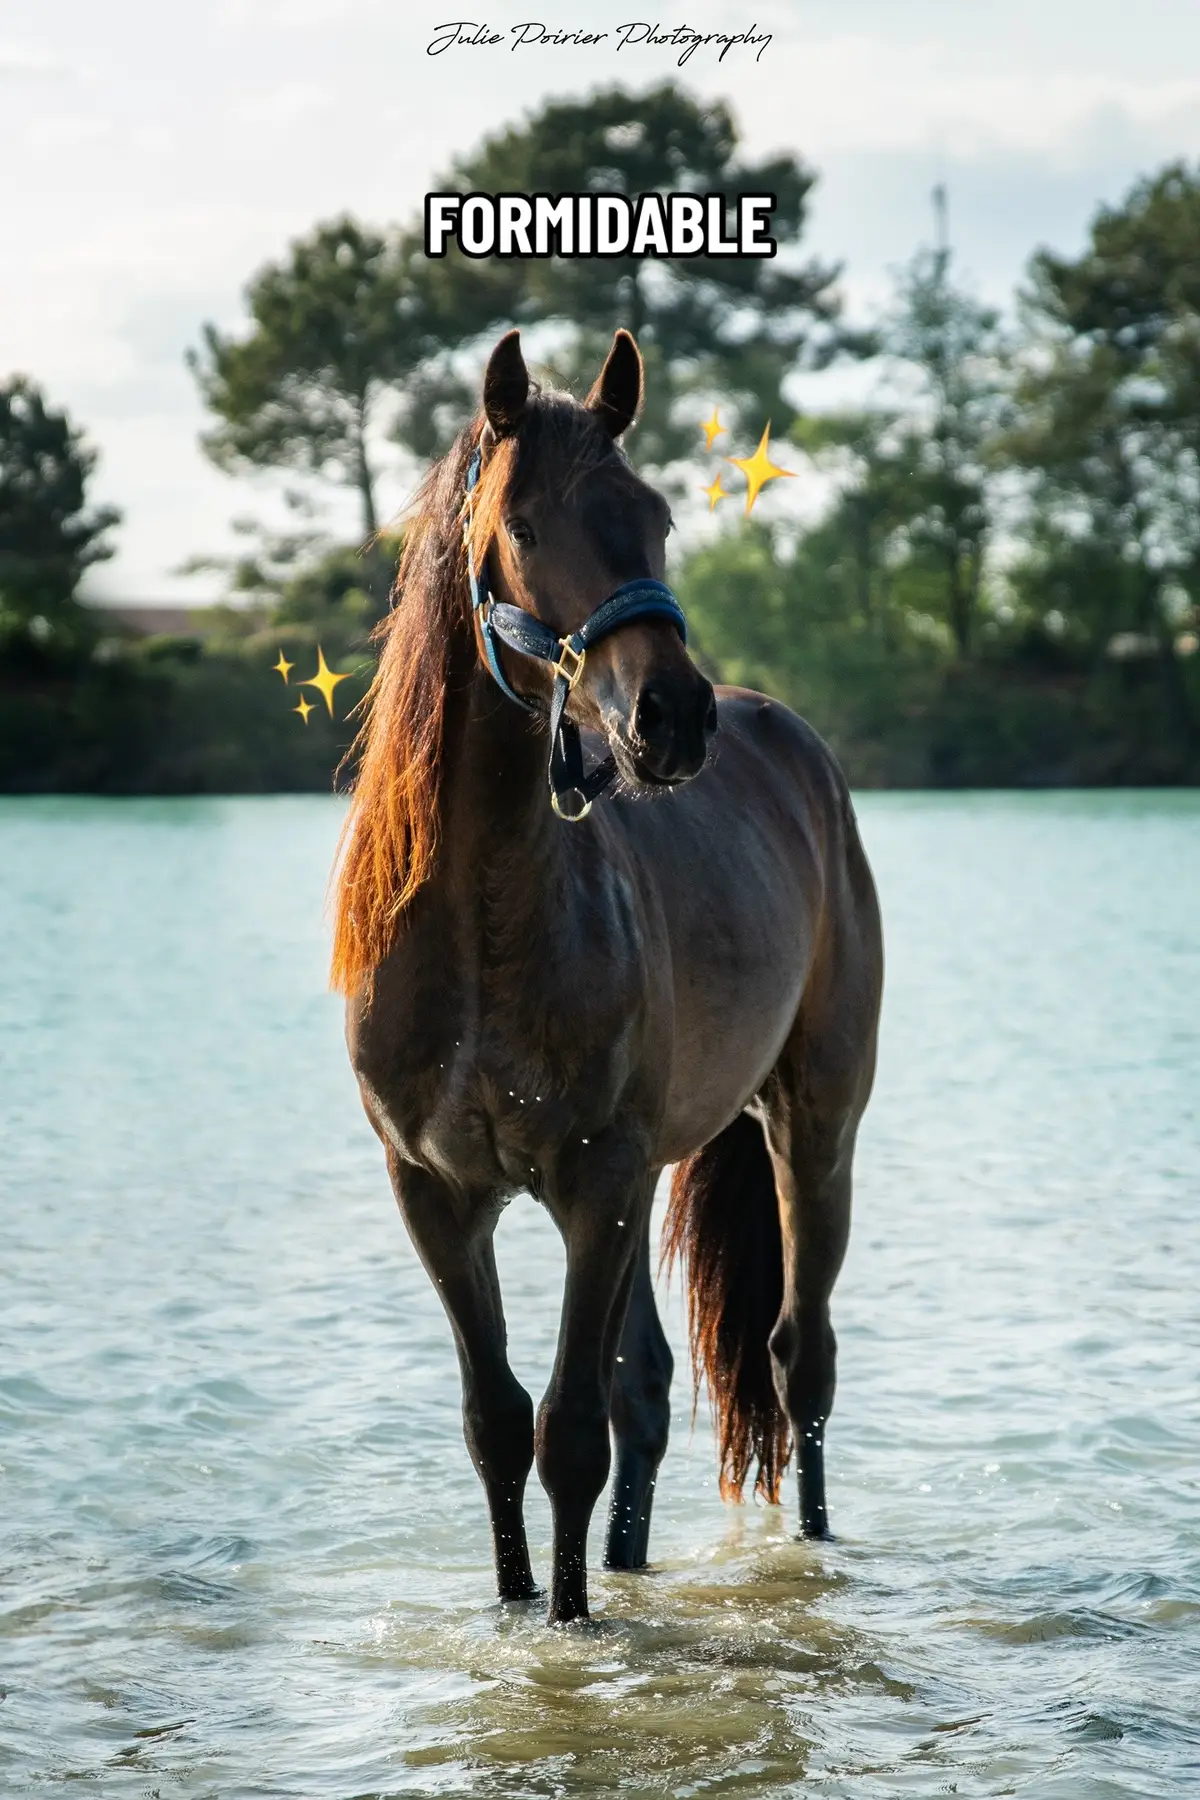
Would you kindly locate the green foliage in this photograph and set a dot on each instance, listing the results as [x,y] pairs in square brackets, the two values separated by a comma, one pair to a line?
[334,329]
[174,716]
[1137,286]
[1110,429]
[905,711]
[339,590]
[48,537]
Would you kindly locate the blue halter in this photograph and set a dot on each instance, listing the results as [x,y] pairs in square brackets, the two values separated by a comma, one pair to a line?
[571,790]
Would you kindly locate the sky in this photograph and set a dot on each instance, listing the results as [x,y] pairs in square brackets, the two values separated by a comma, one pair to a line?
[154,157]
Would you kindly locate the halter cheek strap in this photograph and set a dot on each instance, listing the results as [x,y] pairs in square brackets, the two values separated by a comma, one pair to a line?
[572,790]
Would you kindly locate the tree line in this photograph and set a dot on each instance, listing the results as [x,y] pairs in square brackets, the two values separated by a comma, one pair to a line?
[1004,582]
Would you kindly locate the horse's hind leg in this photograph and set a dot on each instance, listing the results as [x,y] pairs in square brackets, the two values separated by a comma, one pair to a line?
[641,1417]
[812,1179]
[811,1108]
[454,1241]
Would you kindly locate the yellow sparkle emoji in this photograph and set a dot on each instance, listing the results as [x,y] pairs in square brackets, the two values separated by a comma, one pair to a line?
[324,680]
[758,469]
[283,667]
[715,492]
[303,709]
[712,428]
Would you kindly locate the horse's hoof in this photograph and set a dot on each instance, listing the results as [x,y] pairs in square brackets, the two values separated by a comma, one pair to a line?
[568,1615]
[524,1597]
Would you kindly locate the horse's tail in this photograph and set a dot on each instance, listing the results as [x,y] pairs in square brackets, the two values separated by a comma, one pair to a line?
[724,1221]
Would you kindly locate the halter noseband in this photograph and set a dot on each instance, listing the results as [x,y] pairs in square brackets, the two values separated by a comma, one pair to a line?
[571,790]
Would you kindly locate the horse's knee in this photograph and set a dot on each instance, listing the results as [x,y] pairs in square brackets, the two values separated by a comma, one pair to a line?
[572,1449]
[499,1434]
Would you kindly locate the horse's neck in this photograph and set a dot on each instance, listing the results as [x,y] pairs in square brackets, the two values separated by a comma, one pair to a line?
[501,843]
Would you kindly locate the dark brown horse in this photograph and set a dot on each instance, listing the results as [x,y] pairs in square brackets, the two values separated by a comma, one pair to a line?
[690,974]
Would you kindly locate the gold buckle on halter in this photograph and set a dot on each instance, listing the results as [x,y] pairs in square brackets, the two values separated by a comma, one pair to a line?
[571,671]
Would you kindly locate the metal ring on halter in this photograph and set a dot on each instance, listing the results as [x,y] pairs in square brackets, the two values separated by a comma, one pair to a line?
[570,795]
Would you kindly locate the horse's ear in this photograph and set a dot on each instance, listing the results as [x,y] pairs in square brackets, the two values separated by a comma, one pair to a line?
[618,393]
[506,385]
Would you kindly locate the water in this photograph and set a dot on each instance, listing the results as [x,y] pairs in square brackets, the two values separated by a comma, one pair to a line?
[242,1551]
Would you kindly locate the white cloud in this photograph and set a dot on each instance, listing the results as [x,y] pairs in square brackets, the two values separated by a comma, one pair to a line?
[853,94]
[286,105]
[21,60]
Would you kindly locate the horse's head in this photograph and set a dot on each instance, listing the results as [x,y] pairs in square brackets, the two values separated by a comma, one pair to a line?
[566,522]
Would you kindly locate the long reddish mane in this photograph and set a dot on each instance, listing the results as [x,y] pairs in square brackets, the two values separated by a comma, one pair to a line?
[390,839]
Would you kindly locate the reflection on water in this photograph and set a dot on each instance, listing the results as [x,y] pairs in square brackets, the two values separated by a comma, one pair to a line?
[692,1679]
[242,1551]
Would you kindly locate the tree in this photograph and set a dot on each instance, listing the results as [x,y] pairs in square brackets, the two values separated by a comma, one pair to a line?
[908,529]
[954,346]
[1110,424]
[859,543]
[48,536]
[728,328]
[334,330]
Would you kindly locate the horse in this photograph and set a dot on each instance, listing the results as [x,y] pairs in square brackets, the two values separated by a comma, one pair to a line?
[565,998]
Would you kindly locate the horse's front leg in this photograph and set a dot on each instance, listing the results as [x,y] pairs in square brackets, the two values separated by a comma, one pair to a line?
[452,1234]
[603,1218]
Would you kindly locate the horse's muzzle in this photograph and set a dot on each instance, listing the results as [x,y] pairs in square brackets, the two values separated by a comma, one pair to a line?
[673,721]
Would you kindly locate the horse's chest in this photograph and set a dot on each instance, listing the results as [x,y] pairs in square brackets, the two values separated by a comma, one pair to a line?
[487,1094]
[481,1058]
[496,1118]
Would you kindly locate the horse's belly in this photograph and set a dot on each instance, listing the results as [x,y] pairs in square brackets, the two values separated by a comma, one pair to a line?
[722,1057]
[742,943]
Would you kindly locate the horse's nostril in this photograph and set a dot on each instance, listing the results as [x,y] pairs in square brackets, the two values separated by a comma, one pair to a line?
[710,717]
[650,714]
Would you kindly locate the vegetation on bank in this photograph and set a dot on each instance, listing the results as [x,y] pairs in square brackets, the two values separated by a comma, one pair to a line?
[1002,589]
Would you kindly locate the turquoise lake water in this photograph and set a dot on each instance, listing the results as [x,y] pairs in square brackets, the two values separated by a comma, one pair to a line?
[242,1551]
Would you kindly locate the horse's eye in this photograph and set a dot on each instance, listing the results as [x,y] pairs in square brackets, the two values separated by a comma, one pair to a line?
[520,533]
[670,524]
